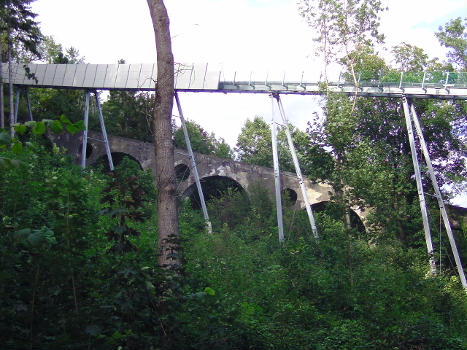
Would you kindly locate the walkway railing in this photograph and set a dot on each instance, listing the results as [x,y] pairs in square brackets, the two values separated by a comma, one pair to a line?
[202,77]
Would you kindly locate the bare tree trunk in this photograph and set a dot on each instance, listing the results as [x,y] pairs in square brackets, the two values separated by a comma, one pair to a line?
[167,215]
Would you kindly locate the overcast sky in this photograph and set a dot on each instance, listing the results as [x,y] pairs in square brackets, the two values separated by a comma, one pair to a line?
[256,36]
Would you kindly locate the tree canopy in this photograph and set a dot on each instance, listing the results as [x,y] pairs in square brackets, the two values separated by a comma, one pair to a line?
[202,141]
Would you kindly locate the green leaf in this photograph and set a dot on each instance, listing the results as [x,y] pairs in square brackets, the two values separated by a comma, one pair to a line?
[80,125]
[209,291]
[56,127]
[17,147]
[64,119]
[20,128]
[71,128]
[38,128]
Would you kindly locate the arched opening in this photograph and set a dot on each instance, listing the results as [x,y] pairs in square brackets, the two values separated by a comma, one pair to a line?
[227,202]
[334,210]
[182,172]
[214,187]
[289,196]
[89,149]
[117,158]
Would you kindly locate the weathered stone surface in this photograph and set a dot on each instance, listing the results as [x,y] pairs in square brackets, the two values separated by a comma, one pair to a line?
[244,174]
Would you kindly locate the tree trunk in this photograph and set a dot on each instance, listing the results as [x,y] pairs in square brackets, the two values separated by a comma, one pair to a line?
[341,199]
[167,214]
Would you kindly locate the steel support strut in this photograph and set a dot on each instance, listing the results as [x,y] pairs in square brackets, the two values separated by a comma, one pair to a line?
[439,197]
[277,180]
[418,179]
[85,131]
[28,101]
[193,164]
[103,131]
[18,95]
[297,167]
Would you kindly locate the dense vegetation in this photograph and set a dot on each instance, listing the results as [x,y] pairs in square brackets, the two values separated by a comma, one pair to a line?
[79,269]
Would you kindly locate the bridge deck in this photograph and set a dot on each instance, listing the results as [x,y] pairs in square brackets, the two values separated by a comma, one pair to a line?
[203,78]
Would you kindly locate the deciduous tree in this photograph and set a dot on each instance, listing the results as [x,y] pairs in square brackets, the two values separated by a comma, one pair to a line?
[22,35]
[165,173]
[454,37]
[202,141]
[343,26]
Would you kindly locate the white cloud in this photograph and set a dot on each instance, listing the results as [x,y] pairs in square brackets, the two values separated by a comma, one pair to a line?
[416,21]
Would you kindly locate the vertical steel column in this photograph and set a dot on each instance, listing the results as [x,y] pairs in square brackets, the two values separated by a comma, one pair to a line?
[297,167]
[439,197]
[193,165]
[28,101]
[104,132]
[418,178]
[277,181]
[18,95]
[85,131]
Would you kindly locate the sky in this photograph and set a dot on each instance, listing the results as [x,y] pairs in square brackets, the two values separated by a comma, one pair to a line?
[244,36]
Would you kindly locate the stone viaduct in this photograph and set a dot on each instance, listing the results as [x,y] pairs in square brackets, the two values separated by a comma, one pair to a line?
[209,167]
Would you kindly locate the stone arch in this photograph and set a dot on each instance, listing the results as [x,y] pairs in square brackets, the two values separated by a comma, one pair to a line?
[182,172]
[289,195]
[117,158]
[141,152]
[89,149]
[213,187]
[356,221]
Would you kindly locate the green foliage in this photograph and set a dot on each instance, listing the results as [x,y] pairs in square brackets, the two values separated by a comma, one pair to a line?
[299,296]
[78,248]
[61,287]
[52,52]
[254,146]
[64,285]
[129,114]
[23,34]
[49,103]
[129,199]
[342,26]
[35,129]
[454,37]
[410,58]
[229,210]
[202,142]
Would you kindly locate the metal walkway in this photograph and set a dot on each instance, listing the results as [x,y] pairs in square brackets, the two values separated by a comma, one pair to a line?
[205,78]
